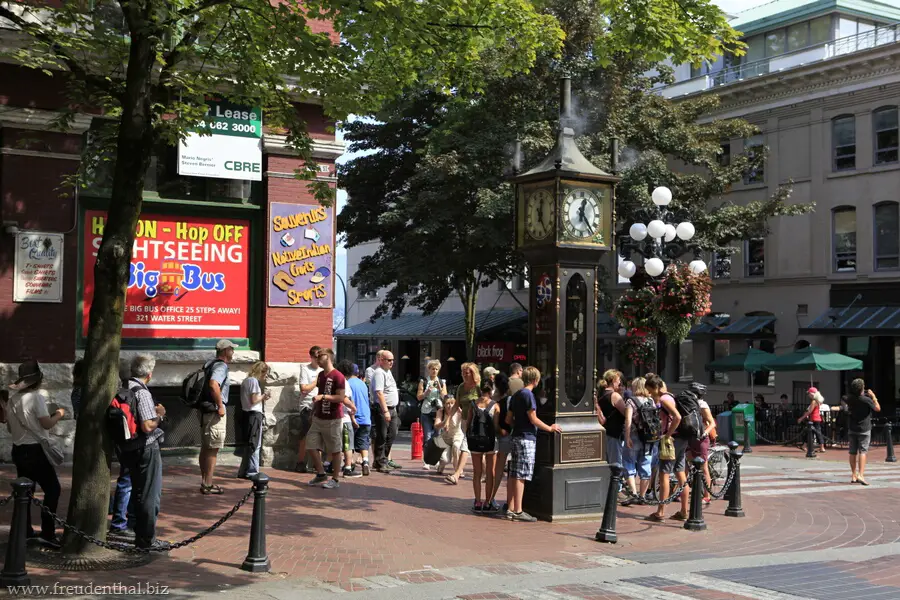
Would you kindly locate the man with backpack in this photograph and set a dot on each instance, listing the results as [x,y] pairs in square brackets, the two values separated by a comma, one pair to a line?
[212,414]
[136,411]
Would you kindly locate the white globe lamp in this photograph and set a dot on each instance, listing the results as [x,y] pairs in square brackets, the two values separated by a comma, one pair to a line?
[627,269]
[654,267]
[662,196]
[670,233]
[656,229]
[697,266]
[638,232]
[685,231]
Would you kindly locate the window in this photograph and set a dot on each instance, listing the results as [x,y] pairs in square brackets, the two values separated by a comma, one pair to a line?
[721,349]
[884,124]
[887,236]
[763,377]
[798,36]
[753,148]
[776,42]
[820,30]
[686,361]
[843,143]
[755,258]
[721,266]
[844,225]
[724,158]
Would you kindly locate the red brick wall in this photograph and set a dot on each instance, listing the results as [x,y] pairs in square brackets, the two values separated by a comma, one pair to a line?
[30,195]
[289,332]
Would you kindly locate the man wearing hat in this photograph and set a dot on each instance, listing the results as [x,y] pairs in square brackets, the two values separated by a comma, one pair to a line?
[212,417]
[488,374]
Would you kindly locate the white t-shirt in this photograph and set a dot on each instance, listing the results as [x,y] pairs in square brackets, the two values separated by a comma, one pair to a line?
[349,394]
[308,375]
[249,387]
[29,406]
[383,381]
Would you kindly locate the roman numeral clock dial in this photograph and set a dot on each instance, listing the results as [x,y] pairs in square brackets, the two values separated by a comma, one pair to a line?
[540,213]
[581,215]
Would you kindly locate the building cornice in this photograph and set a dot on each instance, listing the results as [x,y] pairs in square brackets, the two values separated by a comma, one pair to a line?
[41,120]
[321,149]
[853,72]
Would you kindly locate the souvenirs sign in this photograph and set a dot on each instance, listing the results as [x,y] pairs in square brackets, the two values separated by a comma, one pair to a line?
[39,267]
[226,145]
[301,255]
[189,276]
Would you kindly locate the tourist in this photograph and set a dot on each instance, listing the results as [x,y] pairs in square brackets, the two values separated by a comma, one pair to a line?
[29,423]
[362,421]
[325,433]
[611,404]
[700,447]
[642,430]
[212,414]
[385,418]
[504,442]
[481,438]
[309,374]
[431,390]
[522,417]
[672,448]
[813,413]
[515,378]
[450,421]
[254,418]
[470,389]
[861,403]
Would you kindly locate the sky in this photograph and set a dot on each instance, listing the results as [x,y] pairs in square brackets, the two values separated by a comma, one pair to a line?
[729,6]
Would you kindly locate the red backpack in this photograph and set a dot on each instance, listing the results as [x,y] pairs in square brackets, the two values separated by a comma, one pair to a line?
[122,421]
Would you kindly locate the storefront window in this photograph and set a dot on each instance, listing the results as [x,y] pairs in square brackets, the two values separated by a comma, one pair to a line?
[576,339]
[686,361]
[721,349]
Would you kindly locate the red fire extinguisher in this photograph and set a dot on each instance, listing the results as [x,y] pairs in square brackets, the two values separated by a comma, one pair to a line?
[417,439]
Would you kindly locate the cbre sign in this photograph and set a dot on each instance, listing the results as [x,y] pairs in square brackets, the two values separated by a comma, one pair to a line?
[227,144]
[494,351]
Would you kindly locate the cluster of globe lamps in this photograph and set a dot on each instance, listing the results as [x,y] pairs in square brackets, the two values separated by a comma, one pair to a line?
[660,232]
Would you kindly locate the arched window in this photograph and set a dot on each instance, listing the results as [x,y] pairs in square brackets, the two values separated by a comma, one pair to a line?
[885,131]
[843,143]
[844,239]
[576,367]
[887,236]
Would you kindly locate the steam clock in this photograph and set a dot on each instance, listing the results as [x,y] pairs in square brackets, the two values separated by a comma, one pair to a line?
[564,220]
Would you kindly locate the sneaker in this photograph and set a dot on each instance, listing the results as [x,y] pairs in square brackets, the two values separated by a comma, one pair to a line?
[365,469]
[301,468]
[490,507]
[426,467]
[124,532]
[505,507]
[331,484]
[346,472]
[52,543]
[328,468]
[393,465]
[524,517]
[510,515]
[354,472]
[384,469]
[320,478]
[477,507]
[157,546]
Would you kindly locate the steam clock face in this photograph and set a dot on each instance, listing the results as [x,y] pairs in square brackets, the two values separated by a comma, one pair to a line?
[540,214]
[581,210]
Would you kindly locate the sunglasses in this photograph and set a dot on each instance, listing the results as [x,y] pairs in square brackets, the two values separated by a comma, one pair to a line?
[388,360]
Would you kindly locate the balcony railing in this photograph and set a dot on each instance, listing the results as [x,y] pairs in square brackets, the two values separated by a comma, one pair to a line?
[880,36]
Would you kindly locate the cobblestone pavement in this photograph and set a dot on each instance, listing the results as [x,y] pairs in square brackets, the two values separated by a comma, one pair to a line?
[808,534]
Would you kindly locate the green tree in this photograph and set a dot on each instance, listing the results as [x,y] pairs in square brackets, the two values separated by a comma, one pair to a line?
[146,65]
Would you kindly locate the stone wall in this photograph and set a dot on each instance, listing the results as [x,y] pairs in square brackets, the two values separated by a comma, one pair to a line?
[282,411]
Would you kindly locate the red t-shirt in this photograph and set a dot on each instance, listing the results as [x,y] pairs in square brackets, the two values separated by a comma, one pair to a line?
[815,416]
[330,384]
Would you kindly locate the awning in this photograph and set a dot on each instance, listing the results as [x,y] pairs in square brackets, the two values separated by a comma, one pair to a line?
[439,326]
[756,327]
[862,320]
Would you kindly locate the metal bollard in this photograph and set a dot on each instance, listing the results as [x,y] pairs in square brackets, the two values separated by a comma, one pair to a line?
[607,531]
[747,448]
[257,560]
[14,572]
[732,448]
[695,520]
[734,498]
[810,441]
[889,434]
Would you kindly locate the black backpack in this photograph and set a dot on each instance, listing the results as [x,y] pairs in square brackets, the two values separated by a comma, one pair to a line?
[649,424]
[691,426]
[195,388]
[481,430]
[122,421]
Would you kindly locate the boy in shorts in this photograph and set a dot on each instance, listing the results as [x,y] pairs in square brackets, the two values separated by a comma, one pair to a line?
[522,416]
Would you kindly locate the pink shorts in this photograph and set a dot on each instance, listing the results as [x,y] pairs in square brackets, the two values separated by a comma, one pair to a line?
[699,448]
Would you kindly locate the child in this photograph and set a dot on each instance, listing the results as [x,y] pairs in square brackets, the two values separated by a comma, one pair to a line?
[522,416]
[481,437]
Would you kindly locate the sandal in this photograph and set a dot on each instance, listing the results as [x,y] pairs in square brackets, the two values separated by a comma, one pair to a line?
[654,518]
[451,479]
[206,490]
[862,482]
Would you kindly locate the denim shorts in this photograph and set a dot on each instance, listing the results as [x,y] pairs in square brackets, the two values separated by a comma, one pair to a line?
[859,442]
[638,458]
[615,452]
[361,439]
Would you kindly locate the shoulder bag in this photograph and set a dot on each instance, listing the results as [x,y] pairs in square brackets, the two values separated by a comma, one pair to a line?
[52,449]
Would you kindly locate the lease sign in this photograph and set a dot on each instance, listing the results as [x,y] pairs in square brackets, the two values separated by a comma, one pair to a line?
[189,276]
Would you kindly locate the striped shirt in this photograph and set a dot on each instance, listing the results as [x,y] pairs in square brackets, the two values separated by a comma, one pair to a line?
[146,410]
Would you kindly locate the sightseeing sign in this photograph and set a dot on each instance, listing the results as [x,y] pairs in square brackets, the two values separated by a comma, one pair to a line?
[226,145]
[301,255]
[189,276]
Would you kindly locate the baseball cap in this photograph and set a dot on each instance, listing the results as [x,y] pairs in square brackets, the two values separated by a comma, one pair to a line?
[354,369]
[811,390]
[489,372]
[225,344]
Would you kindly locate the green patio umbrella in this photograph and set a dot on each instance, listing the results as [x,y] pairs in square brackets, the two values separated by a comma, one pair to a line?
[812,358]
[751,361]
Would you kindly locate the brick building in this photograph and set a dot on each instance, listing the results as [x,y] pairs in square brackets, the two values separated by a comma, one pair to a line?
[43,314]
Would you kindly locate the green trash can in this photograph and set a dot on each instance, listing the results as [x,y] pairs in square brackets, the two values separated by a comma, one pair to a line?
[741,415]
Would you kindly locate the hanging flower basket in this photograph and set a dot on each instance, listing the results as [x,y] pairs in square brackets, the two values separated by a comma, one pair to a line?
[640,350]
[682,299]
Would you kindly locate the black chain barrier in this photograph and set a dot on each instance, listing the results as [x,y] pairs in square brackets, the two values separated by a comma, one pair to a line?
[674,496]
[791,442]
[130,549]
[6,500]
[721,493]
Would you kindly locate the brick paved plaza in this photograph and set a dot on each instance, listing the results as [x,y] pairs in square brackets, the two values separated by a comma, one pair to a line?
[808,534]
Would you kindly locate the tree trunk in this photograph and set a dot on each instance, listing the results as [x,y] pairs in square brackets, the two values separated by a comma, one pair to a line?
[90,474]
[469,297]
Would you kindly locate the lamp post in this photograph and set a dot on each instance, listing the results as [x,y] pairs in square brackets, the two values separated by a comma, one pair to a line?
[346,307]
[663,239]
